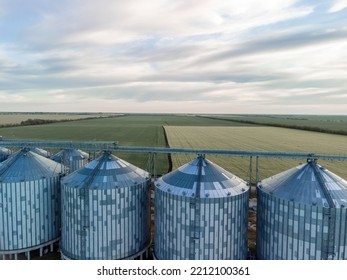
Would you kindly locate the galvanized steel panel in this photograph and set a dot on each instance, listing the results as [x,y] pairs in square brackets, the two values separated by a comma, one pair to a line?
[29,213]
[29,201]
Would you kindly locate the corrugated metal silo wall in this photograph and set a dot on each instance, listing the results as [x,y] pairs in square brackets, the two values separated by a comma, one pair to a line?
[29,213]
[288,230]
[117,223]
[221,233]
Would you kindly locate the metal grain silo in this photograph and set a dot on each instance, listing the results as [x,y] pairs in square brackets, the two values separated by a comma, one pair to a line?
[302,214]
[4,153]
[201,212]
[105,211]
[40,152]
[29,204]
[73,159]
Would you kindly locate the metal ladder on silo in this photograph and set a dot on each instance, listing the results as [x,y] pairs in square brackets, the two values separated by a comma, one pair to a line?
[329,217]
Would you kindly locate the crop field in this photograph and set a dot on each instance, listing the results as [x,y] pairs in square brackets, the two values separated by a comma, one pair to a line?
[17,118]
[330,124]
[128,130]
[189,131]
[257,139]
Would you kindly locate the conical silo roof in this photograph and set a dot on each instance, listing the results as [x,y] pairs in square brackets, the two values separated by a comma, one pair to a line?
[308,183]
[40,151]
[26,165]
[202,178]
[106,171]
[4,150]
[4,153]
[70,154]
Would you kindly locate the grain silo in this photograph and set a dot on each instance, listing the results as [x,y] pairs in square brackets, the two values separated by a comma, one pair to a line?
[302,215]
[201,212]
[4,153]
[29,204]
[40,152]
[73,159]
[105,211]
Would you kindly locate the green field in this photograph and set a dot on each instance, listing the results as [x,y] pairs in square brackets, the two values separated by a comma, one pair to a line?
[192,132]
[330,124]
[257,139]
[128,130]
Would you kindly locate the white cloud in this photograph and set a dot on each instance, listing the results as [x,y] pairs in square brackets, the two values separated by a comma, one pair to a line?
[216,55]
[125,21]
[338,5]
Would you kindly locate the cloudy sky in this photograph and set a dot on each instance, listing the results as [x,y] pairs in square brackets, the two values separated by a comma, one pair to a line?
[182,56]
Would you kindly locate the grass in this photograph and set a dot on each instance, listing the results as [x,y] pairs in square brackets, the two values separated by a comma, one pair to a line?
[189,131]
[128,130]
[257,139]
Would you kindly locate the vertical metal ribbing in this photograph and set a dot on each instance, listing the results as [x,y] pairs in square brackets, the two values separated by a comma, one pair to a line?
[329,217]
[328,246]
[195,217]
[85,215]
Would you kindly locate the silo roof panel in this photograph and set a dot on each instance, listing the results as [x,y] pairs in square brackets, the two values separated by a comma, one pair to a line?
[26,165]
[211,180]
[4,150]
[183,180]
[72,154]
[40,151]
[302,184]
[107,171]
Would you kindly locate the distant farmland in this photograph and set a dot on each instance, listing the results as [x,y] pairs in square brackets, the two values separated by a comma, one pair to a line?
[327,124]
[128,130]
[17,118]
[258,139]
[191,131]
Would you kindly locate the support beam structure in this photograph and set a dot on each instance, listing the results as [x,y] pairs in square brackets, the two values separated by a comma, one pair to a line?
[112,146]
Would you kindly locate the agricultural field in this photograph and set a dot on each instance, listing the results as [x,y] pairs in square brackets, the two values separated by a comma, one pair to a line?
[17,118]
[128,130]
[329,124]
[257,139]
[190,131]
